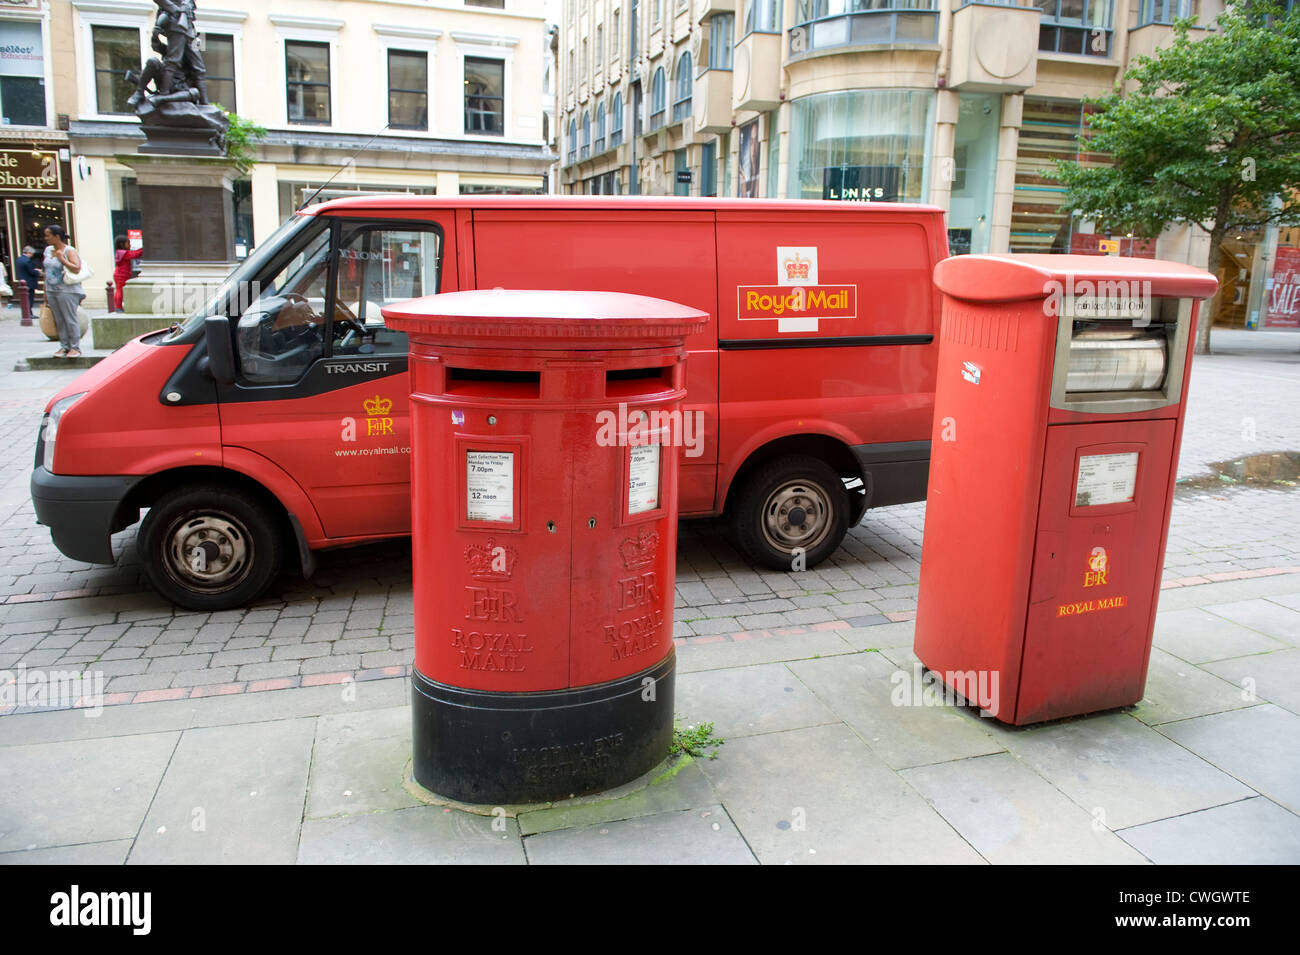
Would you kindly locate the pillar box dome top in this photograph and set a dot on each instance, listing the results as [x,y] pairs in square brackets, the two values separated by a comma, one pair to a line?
[1017,277]
[559,319]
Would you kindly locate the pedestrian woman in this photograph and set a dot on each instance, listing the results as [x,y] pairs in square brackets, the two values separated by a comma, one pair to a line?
[122,256]
[63,298]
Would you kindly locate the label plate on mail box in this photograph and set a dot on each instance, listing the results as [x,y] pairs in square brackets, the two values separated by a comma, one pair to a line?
[643,479]
[1106,479]
[490,486]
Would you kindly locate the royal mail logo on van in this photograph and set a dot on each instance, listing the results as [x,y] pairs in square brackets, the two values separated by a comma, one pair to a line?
[784,301]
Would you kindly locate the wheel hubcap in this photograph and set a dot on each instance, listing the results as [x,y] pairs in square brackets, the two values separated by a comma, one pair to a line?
[208,552]
[797,514]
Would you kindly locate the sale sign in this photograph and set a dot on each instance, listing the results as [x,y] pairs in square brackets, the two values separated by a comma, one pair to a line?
[1283,290]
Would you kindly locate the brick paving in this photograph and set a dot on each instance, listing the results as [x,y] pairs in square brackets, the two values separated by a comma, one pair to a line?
[354,619]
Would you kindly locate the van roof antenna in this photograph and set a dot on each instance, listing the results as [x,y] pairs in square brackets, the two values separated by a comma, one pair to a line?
[350,161]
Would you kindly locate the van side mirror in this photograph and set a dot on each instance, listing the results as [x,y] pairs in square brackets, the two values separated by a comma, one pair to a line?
[221,353]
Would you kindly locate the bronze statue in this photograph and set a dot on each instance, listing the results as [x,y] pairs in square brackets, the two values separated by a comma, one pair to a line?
[171,96]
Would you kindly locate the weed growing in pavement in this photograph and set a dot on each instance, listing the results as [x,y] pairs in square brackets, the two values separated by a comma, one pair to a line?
[694,740]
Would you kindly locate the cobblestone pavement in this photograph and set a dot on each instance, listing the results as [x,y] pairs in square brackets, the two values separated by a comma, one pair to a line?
[355,615]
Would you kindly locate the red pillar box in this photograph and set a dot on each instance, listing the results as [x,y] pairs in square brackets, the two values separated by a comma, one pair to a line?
[1062,387]
[544,428]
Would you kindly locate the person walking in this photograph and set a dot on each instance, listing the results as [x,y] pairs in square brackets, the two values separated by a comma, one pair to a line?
[29,272]
[122,256]
[64,298]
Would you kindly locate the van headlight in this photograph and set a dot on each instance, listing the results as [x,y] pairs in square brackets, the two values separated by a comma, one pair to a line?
[52,426]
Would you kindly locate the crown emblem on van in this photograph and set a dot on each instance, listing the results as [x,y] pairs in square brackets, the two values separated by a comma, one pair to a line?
[378,406]
[796,267]
[491,561]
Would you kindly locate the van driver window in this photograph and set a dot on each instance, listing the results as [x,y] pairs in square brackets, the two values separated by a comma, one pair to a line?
[282,329]
[377,267]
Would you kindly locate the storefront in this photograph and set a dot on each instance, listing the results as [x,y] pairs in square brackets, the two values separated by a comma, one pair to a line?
[857,146]
[36,191]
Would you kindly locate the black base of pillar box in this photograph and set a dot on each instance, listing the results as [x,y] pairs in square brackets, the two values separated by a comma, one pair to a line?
[481,746]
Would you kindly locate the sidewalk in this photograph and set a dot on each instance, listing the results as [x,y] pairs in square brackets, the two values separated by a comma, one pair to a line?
[818,766]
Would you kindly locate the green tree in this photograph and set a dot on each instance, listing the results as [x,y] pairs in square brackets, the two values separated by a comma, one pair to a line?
[241,141]
[1209,136]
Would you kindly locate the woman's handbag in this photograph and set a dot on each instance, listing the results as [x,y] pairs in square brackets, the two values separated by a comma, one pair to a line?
[76,278]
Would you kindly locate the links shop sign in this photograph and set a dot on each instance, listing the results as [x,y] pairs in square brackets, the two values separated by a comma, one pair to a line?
[861,183]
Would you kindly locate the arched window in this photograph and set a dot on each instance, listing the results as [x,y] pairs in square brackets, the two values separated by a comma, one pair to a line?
[585,151]
[658,97]
[573,140]
[599,145]
[682,88]
[616,121]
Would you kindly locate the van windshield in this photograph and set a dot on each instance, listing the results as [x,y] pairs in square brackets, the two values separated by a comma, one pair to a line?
[244,272]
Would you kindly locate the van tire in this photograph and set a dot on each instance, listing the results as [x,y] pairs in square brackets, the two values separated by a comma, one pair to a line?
[805,487]
[189,526]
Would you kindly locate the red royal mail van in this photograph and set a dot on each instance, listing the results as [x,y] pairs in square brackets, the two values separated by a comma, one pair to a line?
[273,423]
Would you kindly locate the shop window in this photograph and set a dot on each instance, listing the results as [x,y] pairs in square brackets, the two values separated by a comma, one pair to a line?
[408,89]
[485,83]
[219,60]
[117,49]
[858,145]
[307,66]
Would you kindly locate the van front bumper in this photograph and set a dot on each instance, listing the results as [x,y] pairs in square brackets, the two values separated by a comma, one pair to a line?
[83,511]
[894,473]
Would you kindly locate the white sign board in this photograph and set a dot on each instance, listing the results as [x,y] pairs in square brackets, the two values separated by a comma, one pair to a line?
[490,486]
[643,479]
[1106,479]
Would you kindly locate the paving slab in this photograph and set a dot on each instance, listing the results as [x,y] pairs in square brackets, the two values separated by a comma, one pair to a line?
[694,657]
[881,636]
[1117,765]
[679,786]
[875,697]
[232,794]
[424,835]
[820,795]
[1198,636]
[1177,690]
[1253,831]
[1260,746]
[1274,677]
[692,837]
[1267,616]
[1011,815]
[91,853]
[80,791]
[745,701]
[358,763]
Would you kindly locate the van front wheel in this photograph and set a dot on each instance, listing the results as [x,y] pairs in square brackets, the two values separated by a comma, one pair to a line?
[791,513]
[210,547]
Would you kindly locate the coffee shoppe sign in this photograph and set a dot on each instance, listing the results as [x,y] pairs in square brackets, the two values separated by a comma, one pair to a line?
[22,170]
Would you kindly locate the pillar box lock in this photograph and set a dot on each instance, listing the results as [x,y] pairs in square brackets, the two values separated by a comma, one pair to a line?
[1059,409]
[545,429]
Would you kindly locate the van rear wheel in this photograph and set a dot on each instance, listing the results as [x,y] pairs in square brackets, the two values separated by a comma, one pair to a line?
[210,547]
[790,505]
